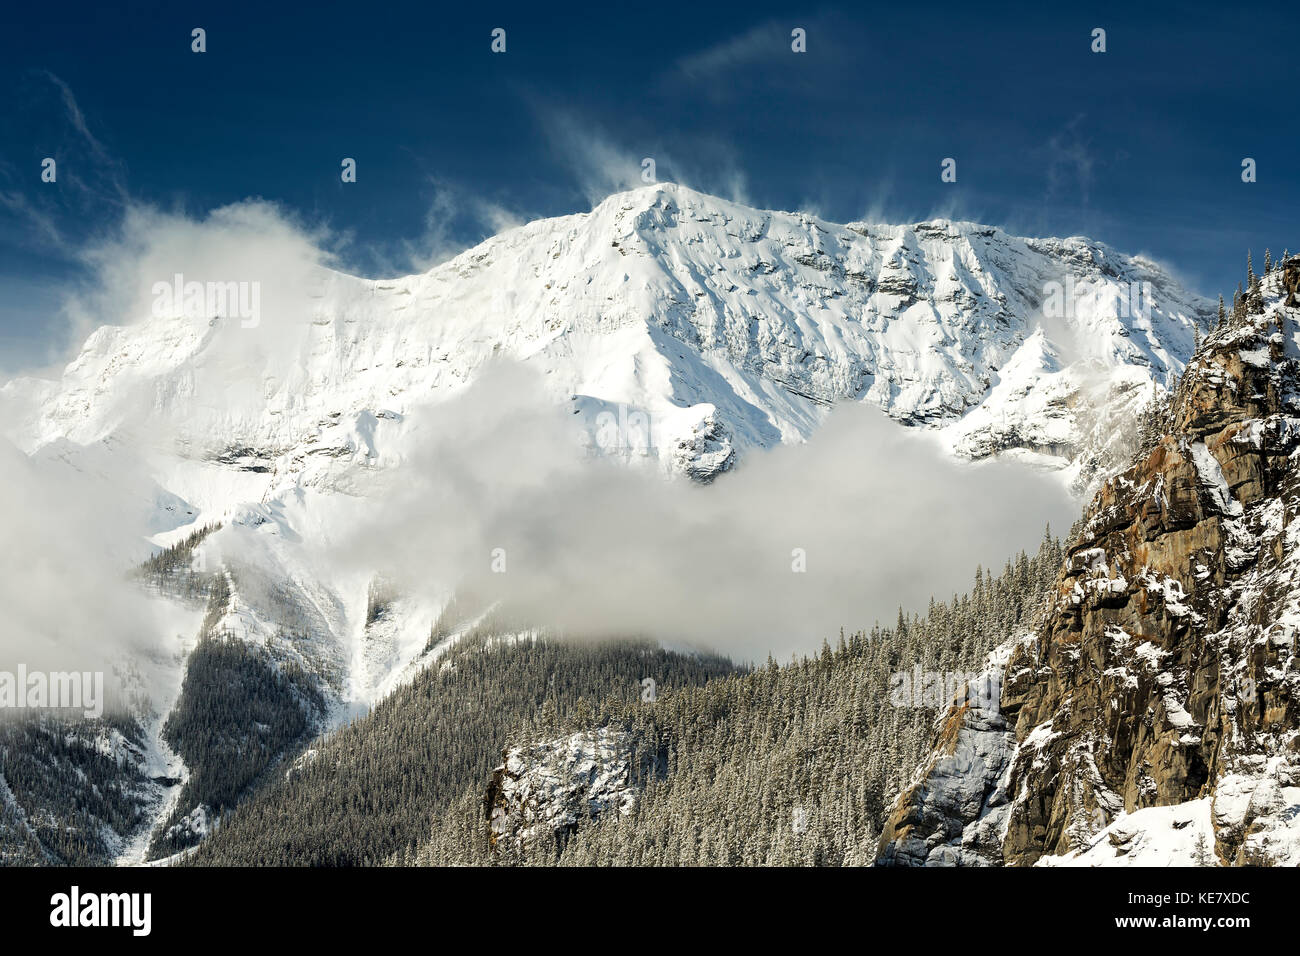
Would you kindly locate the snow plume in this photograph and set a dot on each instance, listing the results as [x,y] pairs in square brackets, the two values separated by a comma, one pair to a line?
[775,556]
[598,165]
[243,243]
[452,214]
[244,278]
[602,165]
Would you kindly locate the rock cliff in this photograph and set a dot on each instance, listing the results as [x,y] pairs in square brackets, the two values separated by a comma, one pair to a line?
[544,790]
[1164,674]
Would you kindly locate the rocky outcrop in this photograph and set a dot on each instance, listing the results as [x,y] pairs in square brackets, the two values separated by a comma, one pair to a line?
[1165,671]
[954,812]
[706,452]
[544,790]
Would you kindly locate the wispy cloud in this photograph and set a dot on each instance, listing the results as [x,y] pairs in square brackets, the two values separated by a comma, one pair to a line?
[97,179]
[40,221]
[765,41]
[1070,162]
[109,169]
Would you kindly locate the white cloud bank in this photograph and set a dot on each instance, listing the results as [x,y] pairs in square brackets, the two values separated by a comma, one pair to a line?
[880,515]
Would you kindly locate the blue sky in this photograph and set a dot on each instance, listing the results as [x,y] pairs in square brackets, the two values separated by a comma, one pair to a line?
[1140,146]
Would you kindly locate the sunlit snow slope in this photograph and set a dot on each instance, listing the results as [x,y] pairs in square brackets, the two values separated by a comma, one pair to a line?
[706,315]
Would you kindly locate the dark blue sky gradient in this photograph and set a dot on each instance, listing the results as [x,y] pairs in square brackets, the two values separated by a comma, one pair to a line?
[1140,147]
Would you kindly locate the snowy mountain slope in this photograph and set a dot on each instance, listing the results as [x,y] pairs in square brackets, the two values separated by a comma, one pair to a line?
[683,330]
[692,310]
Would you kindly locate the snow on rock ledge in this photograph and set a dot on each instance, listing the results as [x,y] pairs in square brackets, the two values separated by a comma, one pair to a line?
[1180,835]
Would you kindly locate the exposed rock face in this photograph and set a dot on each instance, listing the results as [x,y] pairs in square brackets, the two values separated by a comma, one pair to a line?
[1165,671]
[952,816]
[545,789]
[706,453]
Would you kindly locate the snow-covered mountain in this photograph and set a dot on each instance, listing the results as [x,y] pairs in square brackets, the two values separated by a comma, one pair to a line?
[729,328]
[684,331]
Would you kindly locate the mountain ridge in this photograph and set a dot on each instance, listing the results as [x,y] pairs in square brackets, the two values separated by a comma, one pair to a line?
[699,313]
[697,329]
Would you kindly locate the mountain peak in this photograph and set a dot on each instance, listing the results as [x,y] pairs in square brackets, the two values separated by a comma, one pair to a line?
[702,314]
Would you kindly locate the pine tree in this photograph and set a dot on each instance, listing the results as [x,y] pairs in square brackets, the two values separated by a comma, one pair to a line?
[1202,854]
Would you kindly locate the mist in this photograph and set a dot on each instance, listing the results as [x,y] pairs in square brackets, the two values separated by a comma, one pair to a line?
[71,531]
[773,557]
